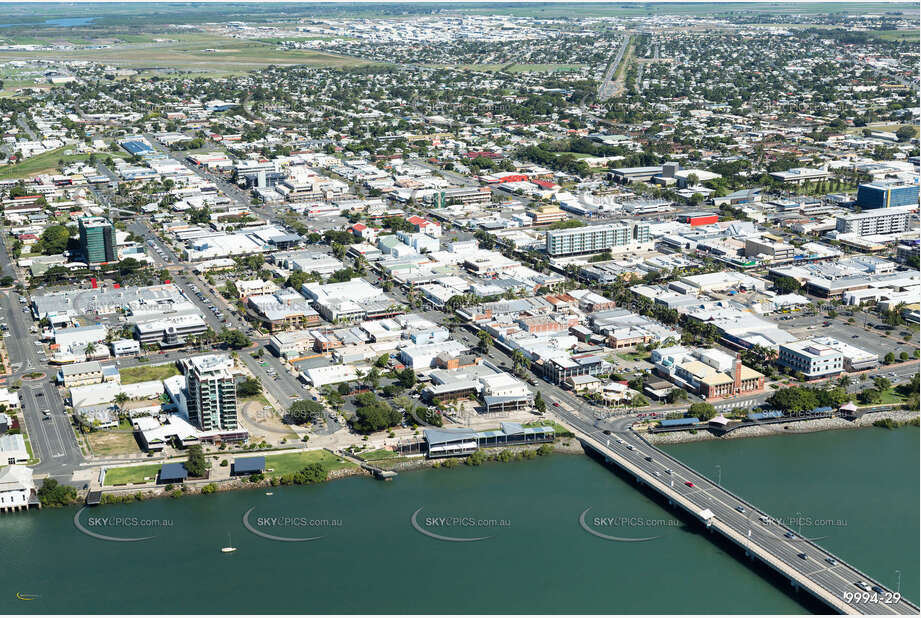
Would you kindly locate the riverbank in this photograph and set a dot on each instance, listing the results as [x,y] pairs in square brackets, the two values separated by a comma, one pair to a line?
[128,494]
[798,427]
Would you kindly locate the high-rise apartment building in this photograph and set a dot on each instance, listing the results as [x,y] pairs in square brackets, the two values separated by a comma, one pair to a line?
[211,392]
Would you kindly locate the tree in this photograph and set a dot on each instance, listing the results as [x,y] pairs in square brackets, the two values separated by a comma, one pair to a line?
[52,493]
[882,384]
[407,377]
[374,378]
[787,285]
[638,401]
[53,240]
[305,411]
[230,290]
[128,266]
[676,394]
[374,414]
[382,361]
[195,464]
[889,358]
[485,341]
[702,410]
[794,399]
[250,387]
[235,339]
[906,132]
[539,403]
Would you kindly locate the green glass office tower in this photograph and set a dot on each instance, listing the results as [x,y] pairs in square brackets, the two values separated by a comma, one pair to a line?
[97,240]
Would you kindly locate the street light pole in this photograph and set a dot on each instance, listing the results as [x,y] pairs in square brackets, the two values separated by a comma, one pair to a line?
[719,475]
[898,585]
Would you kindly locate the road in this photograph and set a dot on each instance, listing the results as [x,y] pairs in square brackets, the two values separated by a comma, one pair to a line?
[52,435]
[606,89]
[672,478]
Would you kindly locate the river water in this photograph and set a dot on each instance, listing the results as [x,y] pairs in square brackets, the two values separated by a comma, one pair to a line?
[536,557]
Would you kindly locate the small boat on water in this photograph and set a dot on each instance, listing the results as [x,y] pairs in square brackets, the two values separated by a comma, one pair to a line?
[230,548]
[269,493]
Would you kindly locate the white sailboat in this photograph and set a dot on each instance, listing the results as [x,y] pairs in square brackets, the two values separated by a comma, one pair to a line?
[230,548]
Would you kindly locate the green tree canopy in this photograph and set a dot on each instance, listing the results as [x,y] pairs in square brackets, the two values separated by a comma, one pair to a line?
[195,464]
[702,410]
[52,493]
[305,410]
[53,240]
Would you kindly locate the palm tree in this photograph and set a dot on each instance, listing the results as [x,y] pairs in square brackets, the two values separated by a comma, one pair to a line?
[844,381]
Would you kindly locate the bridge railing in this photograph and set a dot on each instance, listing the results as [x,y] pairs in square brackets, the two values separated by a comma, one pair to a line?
[760,511]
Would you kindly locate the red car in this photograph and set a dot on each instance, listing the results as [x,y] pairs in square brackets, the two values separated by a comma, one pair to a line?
[556,405]
[689,483]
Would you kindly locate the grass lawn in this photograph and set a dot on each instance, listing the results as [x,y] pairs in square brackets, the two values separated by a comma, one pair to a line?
[891,396]
[32,458]
[131,474]
[898,35]
[634,356]
[145,373]
[577,155]
[229,56]
[293,462]
[378,455]
[39,163]
[560,430]
[113,442]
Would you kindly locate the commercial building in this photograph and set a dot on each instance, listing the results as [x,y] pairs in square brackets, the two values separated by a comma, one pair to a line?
[711,373]
[282,310]
[546,213]
[80,374]
[13,449]
[769,249]
[876,221]
[474,196]
[887,194]
[626,175]
[595,238]
[448,442]
[355,299]
[17,489]
[170,330]
[799,175]
[812,358]
[291,344]
[855,359]
[212,394]
[97,240]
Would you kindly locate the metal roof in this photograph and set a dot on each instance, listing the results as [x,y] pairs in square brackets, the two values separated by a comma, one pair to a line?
[249,465]
[677,422]
[173,472]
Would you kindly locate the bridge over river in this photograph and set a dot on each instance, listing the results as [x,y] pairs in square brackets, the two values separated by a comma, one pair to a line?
[807,566]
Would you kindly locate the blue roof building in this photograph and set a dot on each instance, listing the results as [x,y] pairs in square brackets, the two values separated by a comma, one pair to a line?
[173,473]
[243,466]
